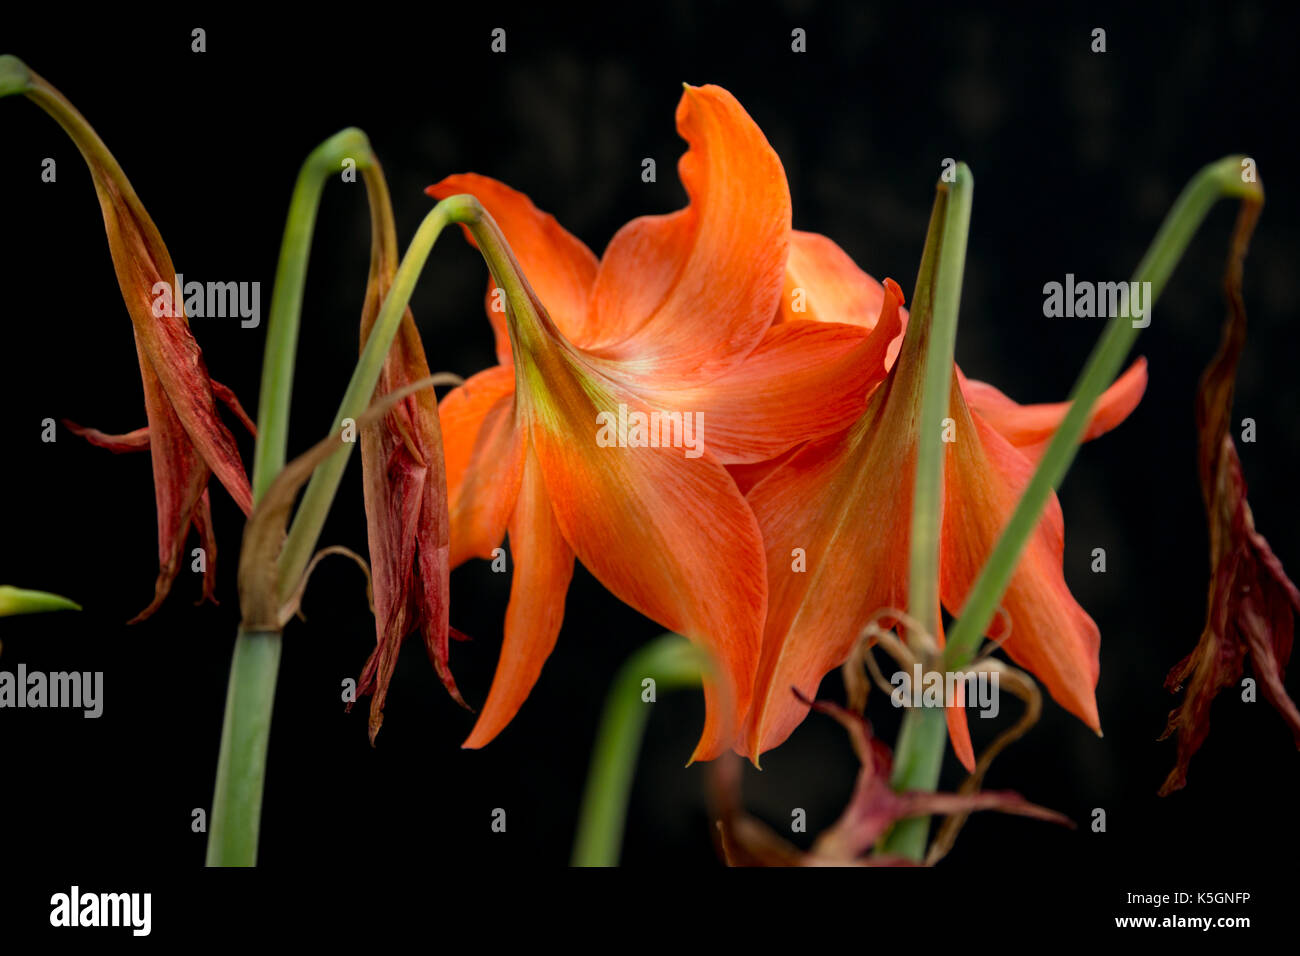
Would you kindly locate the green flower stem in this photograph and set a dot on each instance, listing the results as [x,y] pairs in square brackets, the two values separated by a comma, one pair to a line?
[255,665]
[922,742]
[286,299]
[20,601]
[241,763]
[17,78]
[936,303]
[937,298]
[309,519]
[1215,181]
[672,663]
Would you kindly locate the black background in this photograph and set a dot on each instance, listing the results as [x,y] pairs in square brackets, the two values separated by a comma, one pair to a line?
[1076,157]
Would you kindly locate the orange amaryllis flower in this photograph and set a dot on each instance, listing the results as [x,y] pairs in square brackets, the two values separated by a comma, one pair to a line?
[675,323]
[185,434]
[846,501]
[405,488]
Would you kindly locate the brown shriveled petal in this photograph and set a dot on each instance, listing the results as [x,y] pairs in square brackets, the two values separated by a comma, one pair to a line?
[860,659]
[293,604]
[874,807]
[742,840]
[259,586]
[405,481]
[1252,603]
[186,436]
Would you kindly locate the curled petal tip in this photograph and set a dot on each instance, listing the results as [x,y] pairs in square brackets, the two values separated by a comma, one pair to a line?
[895,290]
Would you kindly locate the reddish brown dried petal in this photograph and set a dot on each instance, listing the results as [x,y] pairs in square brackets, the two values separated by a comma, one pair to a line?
[874,807]
[180,482]
[186,437]
[405,483]
[1252,604]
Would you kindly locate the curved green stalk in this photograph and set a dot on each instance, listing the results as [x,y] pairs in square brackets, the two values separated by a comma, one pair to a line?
[672,663]
[921,743]
[1214,182]
[286,300]
[250,696]
[309,519]
[936,302]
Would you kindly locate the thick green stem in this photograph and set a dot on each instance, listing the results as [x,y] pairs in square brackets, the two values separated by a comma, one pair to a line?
[672,663]
[241,764]
[936,302]
[250,696]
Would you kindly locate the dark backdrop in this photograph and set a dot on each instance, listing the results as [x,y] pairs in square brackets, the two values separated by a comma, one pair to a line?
[1076,156]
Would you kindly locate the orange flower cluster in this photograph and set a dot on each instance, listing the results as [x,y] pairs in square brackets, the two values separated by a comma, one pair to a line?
[718,419]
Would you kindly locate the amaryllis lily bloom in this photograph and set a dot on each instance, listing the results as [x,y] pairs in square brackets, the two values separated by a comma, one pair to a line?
[674,323]
[405,489]
[845,500]
[185,434]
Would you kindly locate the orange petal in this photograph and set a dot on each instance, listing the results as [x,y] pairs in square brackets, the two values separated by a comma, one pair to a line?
[822,284]
[747,476]
[667,534]
[559,266]
[682,298]
[1030,427]
[543,569]
[805,380]
[484,457]
[835,520]
[955,715]
[1051,635]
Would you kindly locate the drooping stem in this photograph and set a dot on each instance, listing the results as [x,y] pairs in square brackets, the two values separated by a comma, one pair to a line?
[1223,179]
[936,303]
[671,662]
[921,744]
[286,299]
[241,764]
[309,519]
